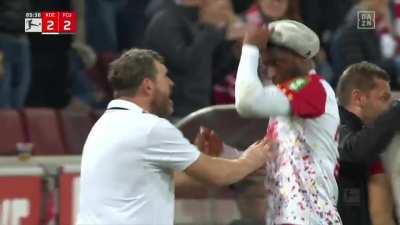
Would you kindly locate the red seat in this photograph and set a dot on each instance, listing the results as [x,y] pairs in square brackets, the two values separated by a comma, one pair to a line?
[44,131]
[11,132]
[75,128]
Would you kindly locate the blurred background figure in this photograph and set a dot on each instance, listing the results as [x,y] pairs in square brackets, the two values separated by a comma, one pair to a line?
[259,13]
[15,54]
[82,57]
[324,17]
[111,28]
[264,11]
[1,65]
[114,26]
[50,85]
[380,45]
[187,33]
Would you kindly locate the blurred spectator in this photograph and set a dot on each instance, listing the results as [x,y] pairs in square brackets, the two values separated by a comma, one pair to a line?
[1,65]
[324,17]
[79,44]
[187,34]
[82,57]
[113,26]
[83,91]
[351,45]
[241,5]
[264,11]
[16,60]
[155,6]
[51,83]
[260,13]
[323,66]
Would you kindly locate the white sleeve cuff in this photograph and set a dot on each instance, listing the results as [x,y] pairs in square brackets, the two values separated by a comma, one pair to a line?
[251,50]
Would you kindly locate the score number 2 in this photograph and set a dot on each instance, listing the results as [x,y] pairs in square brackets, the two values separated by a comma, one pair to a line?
[67,25]
[50,25]
[59,22]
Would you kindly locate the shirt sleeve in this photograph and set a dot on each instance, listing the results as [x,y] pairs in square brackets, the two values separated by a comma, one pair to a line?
[307,96]
[252,98]
[167,148]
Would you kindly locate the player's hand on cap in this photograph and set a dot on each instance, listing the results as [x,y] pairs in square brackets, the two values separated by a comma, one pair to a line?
[208,142]
[257,36]
[258,153]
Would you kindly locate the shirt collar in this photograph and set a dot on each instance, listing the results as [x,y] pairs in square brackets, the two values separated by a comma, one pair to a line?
[350,118]
[120,103]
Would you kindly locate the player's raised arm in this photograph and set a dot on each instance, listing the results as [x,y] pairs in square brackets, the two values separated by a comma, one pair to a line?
[253,99]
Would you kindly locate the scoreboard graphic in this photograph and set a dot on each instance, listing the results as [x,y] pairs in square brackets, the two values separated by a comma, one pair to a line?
[50,22]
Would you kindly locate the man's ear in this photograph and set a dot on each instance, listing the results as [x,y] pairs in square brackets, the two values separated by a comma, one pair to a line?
[357,97]
[148,86]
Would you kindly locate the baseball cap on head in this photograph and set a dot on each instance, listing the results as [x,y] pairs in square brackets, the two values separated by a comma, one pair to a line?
[294,36]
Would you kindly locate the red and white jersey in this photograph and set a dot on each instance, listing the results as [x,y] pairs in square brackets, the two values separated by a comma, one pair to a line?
[301,185]
[304,118]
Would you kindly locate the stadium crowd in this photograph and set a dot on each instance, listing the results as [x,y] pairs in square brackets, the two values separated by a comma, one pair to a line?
[200,40]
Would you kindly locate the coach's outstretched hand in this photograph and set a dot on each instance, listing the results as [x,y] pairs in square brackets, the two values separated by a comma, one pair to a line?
[258,153]
[208,142]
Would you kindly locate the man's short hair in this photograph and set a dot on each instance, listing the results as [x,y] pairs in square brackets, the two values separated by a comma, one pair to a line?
[128,71]
[360,76]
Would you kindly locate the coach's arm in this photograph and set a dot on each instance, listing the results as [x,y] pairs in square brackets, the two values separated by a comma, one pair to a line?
[220,171]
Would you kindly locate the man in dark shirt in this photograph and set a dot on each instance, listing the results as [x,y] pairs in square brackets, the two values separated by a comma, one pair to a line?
[16,54]
[368,124]
[188,41]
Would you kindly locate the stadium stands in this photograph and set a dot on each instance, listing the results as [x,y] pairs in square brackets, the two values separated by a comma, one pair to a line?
[74,127]
[51,131]
[44,131]
[12,131]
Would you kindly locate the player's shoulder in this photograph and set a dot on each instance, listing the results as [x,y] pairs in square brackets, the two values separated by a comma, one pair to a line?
[304,86]
[331,102]
[307,95]
[328,89]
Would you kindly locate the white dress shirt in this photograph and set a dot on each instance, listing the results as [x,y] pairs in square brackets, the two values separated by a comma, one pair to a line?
[127,168]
